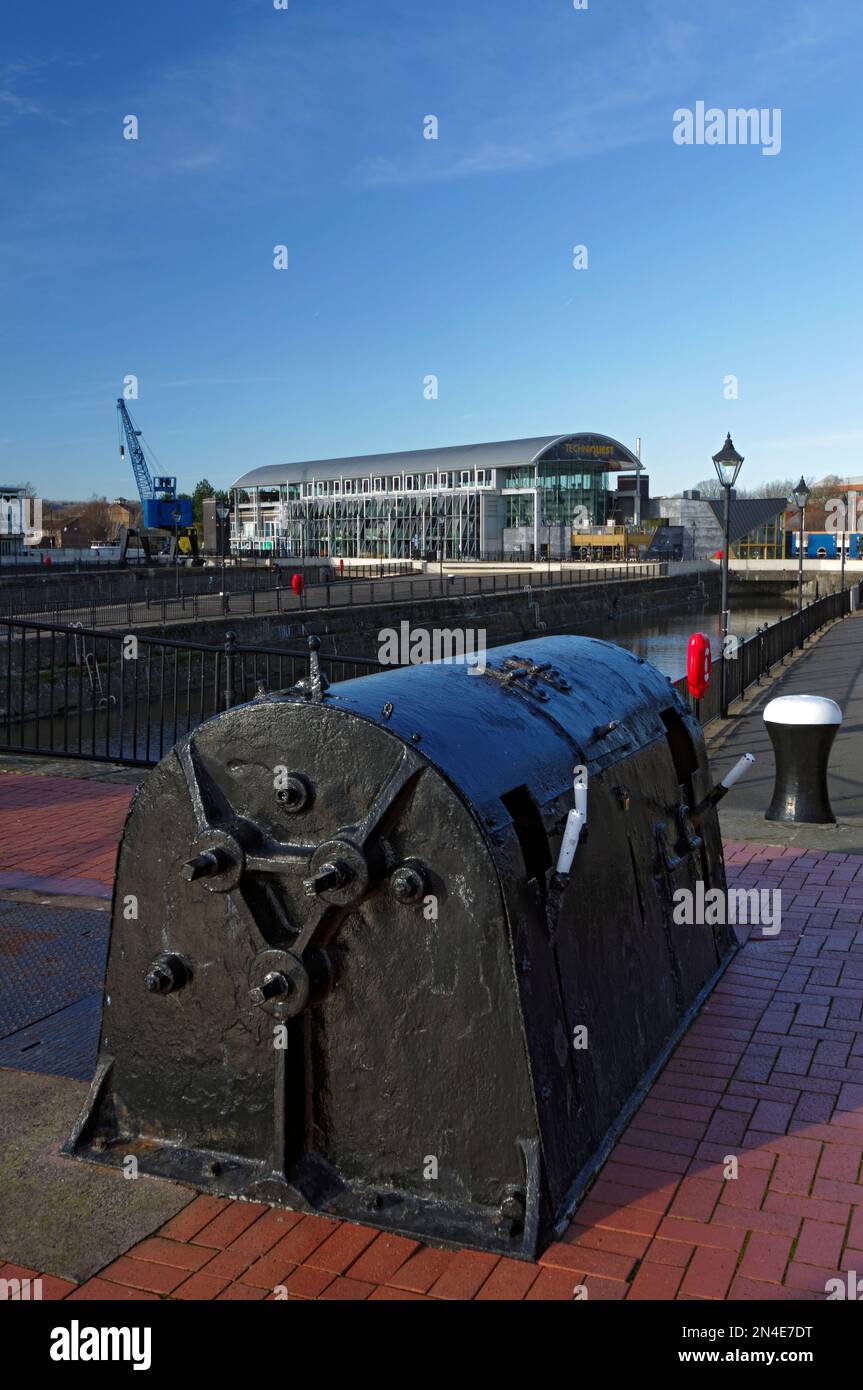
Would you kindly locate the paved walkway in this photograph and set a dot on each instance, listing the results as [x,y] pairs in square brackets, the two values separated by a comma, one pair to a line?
[60,834]
[770,1074]
[832,666]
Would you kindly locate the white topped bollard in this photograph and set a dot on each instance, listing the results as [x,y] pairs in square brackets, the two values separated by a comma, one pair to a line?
[802,729]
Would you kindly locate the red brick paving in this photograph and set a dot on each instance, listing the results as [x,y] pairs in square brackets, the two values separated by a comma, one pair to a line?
[60,834]
[769,1074]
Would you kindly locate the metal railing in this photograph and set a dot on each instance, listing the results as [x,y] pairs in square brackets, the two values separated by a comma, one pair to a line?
[333,592]
[754,658]
[75,692]
[80,692]
[56,595]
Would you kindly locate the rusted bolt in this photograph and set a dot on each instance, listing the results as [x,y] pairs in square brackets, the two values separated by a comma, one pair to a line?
[329,876]
[273,986]
[510,1217]
[167,973]
[296,794]
[623,797]
[408,883]
[212,861]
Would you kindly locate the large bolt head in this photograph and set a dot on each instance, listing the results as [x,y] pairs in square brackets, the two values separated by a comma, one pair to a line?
[408,882]
[211,862]
[275,985]
[296,795]
[217,861]
[167,973]
[158,980]
[328,877]
[339,873]
[279,984]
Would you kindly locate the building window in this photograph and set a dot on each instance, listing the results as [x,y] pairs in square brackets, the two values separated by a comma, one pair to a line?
[429,479]
[519,511]
[367,484]
[378,485]
[443,479]
[409,482]
[465,477]
[396,483]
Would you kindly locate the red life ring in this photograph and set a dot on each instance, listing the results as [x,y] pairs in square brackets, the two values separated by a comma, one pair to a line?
[698,664]
[298,584]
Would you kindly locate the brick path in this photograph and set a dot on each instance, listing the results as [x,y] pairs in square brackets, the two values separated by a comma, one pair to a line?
[60,834]
[771,1073]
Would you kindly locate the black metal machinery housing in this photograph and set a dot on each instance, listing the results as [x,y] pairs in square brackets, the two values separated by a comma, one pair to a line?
[345,974]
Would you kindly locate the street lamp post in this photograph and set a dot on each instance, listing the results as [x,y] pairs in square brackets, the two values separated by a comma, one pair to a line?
[175,517]
[223,512]
[727,464]
[801,497]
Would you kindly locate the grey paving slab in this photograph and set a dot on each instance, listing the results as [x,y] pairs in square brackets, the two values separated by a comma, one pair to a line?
[57,1214]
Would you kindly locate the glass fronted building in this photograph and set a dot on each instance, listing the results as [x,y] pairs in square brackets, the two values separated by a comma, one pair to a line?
[518,498]
[12,520]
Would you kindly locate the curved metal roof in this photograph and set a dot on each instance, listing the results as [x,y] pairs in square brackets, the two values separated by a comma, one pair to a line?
[504,453]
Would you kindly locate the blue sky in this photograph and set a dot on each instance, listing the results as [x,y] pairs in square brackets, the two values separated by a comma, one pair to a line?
[410,257]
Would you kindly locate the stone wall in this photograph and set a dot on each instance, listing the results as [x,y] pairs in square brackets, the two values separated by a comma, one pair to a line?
[508,616]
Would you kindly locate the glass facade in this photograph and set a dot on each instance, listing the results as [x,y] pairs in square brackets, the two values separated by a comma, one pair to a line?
[563,491]
[763,543]
[420,508]
[411,527]
[519,510]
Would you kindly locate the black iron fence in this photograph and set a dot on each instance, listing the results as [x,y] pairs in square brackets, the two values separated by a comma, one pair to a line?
[749,661]
[59,597]
[76,692]
[276,595]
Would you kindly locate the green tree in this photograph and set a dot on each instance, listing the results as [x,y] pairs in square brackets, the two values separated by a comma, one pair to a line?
[204,490]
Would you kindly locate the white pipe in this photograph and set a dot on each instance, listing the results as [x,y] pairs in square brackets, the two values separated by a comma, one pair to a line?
[740,767]
[576,820]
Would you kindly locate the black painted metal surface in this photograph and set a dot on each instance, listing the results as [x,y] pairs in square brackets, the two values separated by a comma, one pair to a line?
[370,877]
[800,791]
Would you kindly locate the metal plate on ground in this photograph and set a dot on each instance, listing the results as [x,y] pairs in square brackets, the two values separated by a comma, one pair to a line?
[52,965]
[64,1044]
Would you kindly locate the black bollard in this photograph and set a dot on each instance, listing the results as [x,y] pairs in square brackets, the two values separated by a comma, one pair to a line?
[802,729]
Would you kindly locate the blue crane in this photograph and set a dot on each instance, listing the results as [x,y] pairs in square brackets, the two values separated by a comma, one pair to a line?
[162,509]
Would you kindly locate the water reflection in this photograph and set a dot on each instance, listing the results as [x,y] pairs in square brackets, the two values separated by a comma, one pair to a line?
[662,639]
